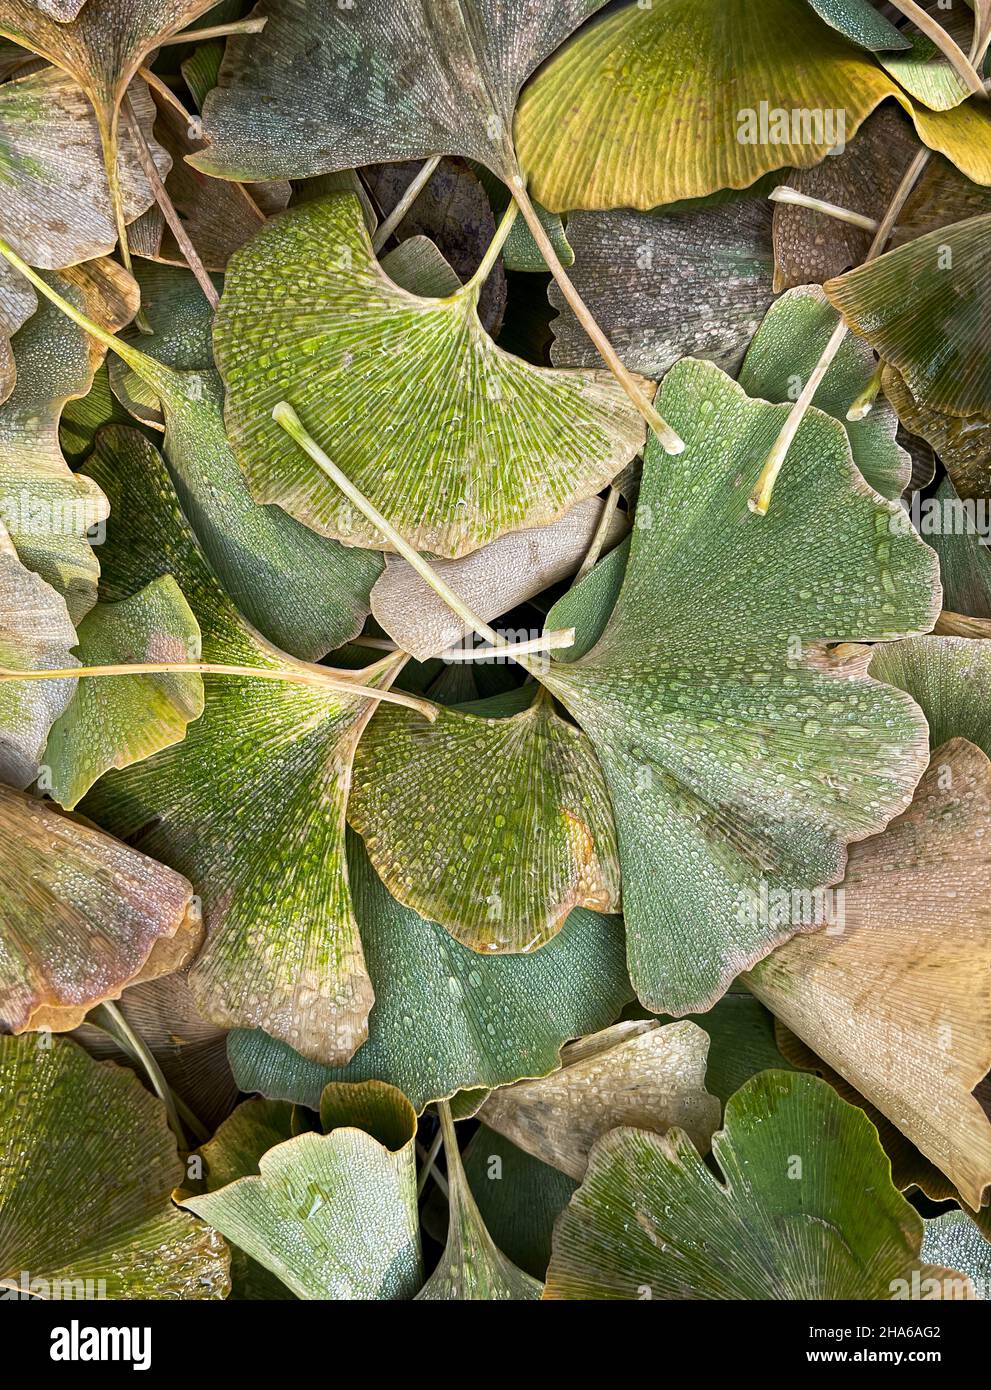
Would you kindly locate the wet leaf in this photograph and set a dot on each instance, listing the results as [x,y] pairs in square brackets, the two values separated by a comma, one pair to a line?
[636,1075]
[133,717]
[82,917]
[745,752]
[496,446]
[668,286]
[789,1217]
[86,1165]
[332,1215]
[495,827]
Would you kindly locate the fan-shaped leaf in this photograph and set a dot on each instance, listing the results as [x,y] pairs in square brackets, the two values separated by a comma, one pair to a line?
[860,21]
[949,678]
[334,1215]
[792,1218]
[86,1165]
[495,445]
[494,827]
[745,752]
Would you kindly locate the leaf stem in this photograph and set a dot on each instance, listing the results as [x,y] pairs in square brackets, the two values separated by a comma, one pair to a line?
[862,406]
[320,677]
[410,195]
[108,1017]
[784,194]
[487,263]
[591,559]
[760,498]
[216,31]
[953,53]
[167,94]
[168,210]
[108,122]
[429,1158]
[670,441]
[284,416]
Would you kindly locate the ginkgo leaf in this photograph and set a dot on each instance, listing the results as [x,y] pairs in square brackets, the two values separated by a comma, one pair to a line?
[860,21]
[622,117]
[897,998]
[665,286]
[218,216]
[47,509]
[491,581]
[949,678]
[809,246]
[323,89]
[56,207]
[332,1215]
[101,49]
[446,1019]
[191,1052]
[472,1268]
[308,315]
[746,752]
[135,716]
[924,72]
[86,1166]
[789,1217]
[495,827]
[253,797]
[642,1075]
[36,632]
[963,443]
[941,197]
[937,337]
[234,1152]
[742,1042]
[781,359]
[82,916]
[62,10]
[84,416]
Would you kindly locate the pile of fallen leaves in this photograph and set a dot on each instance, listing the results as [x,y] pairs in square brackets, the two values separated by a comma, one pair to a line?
[495,630]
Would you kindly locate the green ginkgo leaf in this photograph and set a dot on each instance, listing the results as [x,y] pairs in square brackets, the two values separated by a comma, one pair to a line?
[56,208]
[949,678]
[635,1074]
[334,1215]
[121,723]
[788,1217]
[741,1042]
[746,751]
[937,337]
[47,509]
[781,359]
[860,21]
[323,89]
[250,805]
[896,995]
[472,1268]
[495,823]
[924,71]
[446,1019]
[234,1152]
[675,100]
[308,315]
[36,632]
[87,1162]
[959,539]
[81,916]
[668,286]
